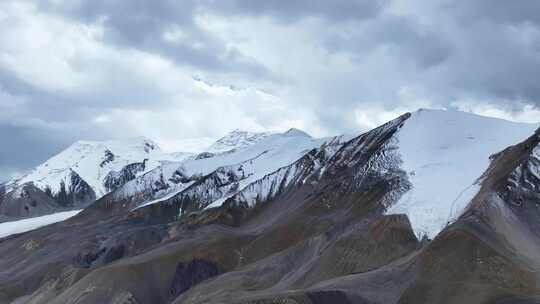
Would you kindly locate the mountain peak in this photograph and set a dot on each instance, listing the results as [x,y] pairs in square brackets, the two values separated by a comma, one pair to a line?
[443,153]
[93,161]
[236,139]
[131,142]
[296,132]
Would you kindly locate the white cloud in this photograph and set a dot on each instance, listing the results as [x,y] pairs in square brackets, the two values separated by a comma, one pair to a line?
[41,49]
[128,91]
[84,74]
[524,113]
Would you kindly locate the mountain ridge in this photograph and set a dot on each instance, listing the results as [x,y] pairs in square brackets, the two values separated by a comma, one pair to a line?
[313,224]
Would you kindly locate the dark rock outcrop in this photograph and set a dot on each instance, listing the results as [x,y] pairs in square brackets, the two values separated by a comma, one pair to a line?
[191,274]
[115,179]
[26,201]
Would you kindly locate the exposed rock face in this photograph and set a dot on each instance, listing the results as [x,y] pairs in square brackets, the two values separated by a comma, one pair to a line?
[79,192]
[115,179]
[30,201]
[107,158]
[371,156]
[315,231]
[26,201]
[191,274]
[204,155]
[76,194]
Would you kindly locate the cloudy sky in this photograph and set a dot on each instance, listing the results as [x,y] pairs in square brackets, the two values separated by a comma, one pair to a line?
[178,70]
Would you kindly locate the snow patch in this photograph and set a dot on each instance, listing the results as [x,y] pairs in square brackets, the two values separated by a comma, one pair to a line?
[444,153]
[20,226]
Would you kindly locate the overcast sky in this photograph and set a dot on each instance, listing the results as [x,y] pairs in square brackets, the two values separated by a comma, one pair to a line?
[178,70]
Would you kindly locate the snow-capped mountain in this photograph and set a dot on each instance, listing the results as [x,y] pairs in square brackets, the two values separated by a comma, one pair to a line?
[293,217]
[236,140]
[442,154]
[90,169]
[210,181]
[87,170]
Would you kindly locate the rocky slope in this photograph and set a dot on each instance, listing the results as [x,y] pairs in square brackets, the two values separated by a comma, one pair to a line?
[319,229]
[201,183]
[87,170]
[26,201]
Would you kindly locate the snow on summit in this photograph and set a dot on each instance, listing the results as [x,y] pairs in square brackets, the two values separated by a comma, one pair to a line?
[444,153]
[20,226]
[93,161]
[236,139]
[255,155]
[240,140]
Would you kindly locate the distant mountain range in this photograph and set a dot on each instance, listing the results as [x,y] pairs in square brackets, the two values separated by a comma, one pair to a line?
[87,170]
[432,207]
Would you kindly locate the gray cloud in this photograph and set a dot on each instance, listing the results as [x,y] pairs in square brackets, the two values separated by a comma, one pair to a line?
[95,69]
[510,12]
[141,24]
[292,11]
[401,36]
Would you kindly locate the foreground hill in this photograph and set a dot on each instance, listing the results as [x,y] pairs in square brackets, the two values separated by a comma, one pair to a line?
[324,228]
